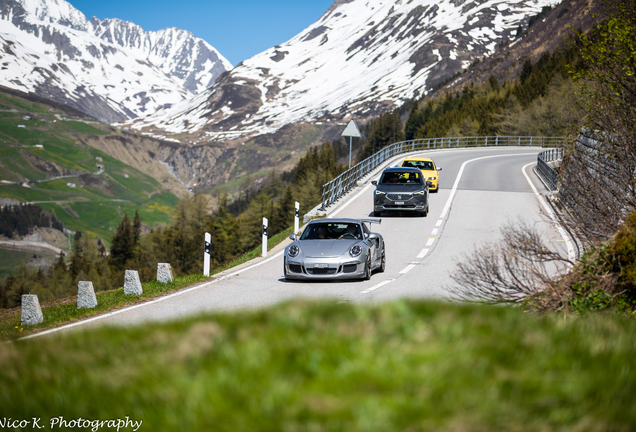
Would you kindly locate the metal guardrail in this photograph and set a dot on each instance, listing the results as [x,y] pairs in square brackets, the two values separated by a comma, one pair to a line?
[347,180]
[548,173]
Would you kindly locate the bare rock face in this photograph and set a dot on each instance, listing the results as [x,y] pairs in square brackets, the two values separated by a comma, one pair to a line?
[132,285]
[31,311]
[86,295]
[164,273]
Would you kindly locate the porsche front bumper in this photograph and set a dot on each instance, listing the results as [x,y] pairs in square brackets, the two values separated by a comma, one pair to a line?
[325,268]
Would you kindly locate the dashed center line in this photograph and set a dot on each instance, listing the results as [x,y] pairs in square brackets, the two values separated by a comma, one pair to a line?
[434,232]
[430,241]
[423,253]
[375,287]
[408,268]
[439,223]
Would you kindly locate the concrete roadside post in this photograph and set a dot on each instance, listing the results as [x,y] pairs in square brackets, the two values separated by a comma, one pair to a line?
[296,216]
[264,254]
[206,254]
[132,284]
[164,273]
[86,295]
[31,311]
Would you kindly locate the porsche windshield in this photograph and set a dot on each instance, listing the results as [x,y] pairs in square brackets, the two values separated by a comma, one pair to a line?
[404,177]
[332,231]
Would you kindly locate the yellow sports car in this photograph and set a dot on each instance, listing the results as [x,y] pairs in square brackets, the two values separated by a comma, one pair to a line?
[428,168]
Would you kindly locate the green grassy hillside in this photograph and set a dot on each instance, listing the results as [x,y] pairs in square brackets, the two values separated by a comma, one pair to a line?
[403,366]
[41,154]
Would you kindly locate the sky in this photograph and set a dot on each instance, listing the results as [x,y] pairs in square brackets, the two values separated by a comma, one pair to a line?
[238,29]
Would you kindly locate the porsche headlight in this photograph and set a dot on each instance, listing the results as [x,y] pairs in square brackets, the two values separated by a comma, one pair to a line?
[355,250]
[418,193]
[432,178]
[293,251]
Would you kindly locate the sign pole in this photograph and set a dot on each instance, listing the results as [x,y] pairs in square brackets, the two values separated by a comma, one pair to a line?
[351,131]
[296,217]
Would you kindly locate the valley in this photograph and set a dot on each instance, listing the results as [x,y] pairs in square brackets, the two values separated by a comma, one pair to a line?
[46,158]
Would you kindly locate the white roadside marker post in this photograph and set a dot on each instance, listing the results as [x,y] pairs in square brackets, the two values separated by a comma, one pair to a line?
[206,254]
[264,254]
[296,216]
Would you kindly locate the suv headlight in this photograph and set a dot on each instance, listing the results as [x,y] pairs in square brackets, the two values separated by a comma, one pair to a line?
[355,250]
[418,193]
[380,192]
[293,251]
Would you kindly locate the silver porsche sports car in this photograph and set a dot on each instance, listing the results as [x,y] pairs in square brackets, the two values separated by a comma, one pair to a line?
[335,249]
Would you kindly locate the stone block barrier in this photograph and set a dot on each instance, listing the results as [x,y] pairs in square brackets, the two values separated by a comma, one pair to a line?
[31,311]
[164,273]
[86,295]
[132,285]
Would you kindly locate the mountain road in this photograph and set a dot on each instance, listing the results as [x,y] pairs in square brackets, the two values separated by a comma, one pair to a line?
[481,190]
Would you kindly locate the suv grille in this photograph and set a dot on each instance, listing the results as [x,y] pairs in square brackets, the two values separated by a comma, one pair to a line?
[399,197]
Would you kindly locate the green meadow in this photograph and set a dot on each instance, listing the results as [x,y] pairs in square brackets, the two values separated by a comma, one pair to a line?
[97,202]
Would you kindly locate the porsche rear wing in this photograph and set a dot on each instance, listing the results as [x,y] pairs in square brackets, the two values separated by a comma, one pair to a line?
[377,221]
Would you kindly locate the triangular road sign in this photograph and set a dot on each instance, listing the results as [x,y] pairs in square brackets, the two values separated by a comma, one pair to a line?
[352,130]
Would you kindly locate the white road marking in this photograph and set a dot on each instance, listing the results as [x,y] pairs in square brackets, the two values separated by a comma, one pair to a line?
[439,223]
[407,269]
[423,253]
[375,287]
[434,232]
[449,201]
[548,210]
[156,300]
[430,242]
[236,273]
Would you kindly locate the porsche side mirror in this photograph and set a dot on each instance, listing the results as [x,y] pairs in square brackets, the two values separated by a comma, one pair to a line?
[374,183]
[293,237]
[439,168]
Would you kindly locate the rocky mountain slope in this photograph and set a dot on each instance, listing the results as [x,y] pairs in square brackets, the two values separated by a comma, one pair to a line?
[110,69]
[545,35]
[359,59]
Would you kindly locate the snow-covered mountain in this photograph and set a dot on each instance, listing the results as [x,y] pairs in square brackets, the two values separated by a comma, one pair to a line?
[111,69]
[360,58]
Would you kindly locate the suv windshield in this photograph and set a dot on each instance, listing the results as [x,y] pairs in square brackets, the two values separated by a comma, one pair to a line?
[397,177]
[332,231]
[423,165]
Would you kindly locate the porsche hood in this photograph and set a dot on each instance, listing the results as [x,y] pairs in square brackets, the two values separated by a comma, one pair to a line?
[326,248]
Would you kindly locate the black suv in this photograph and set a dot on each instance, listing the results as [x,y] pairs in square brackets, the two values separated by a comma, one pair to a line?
[401,189]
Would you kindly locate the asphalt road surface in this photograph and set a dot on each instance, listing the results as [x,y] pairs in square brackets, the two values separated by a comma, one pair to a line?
[480,191]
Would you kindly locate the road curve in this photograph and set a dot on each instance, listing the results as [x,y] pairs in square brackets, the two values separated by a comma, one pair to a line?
[480,191]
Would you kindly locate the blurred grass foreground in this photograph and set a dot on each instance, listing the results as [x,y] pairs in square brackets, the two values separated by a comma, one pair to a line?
[303,366]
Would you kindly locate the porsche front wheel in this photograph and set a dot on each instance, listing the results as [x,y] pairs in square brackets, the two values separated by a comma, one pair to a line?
[367,269]
[382,263]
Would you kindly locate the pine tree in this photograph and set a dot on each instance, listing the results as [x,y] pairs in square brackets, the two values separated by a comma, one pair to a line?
[285,211]
[136,228]
[122,249]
